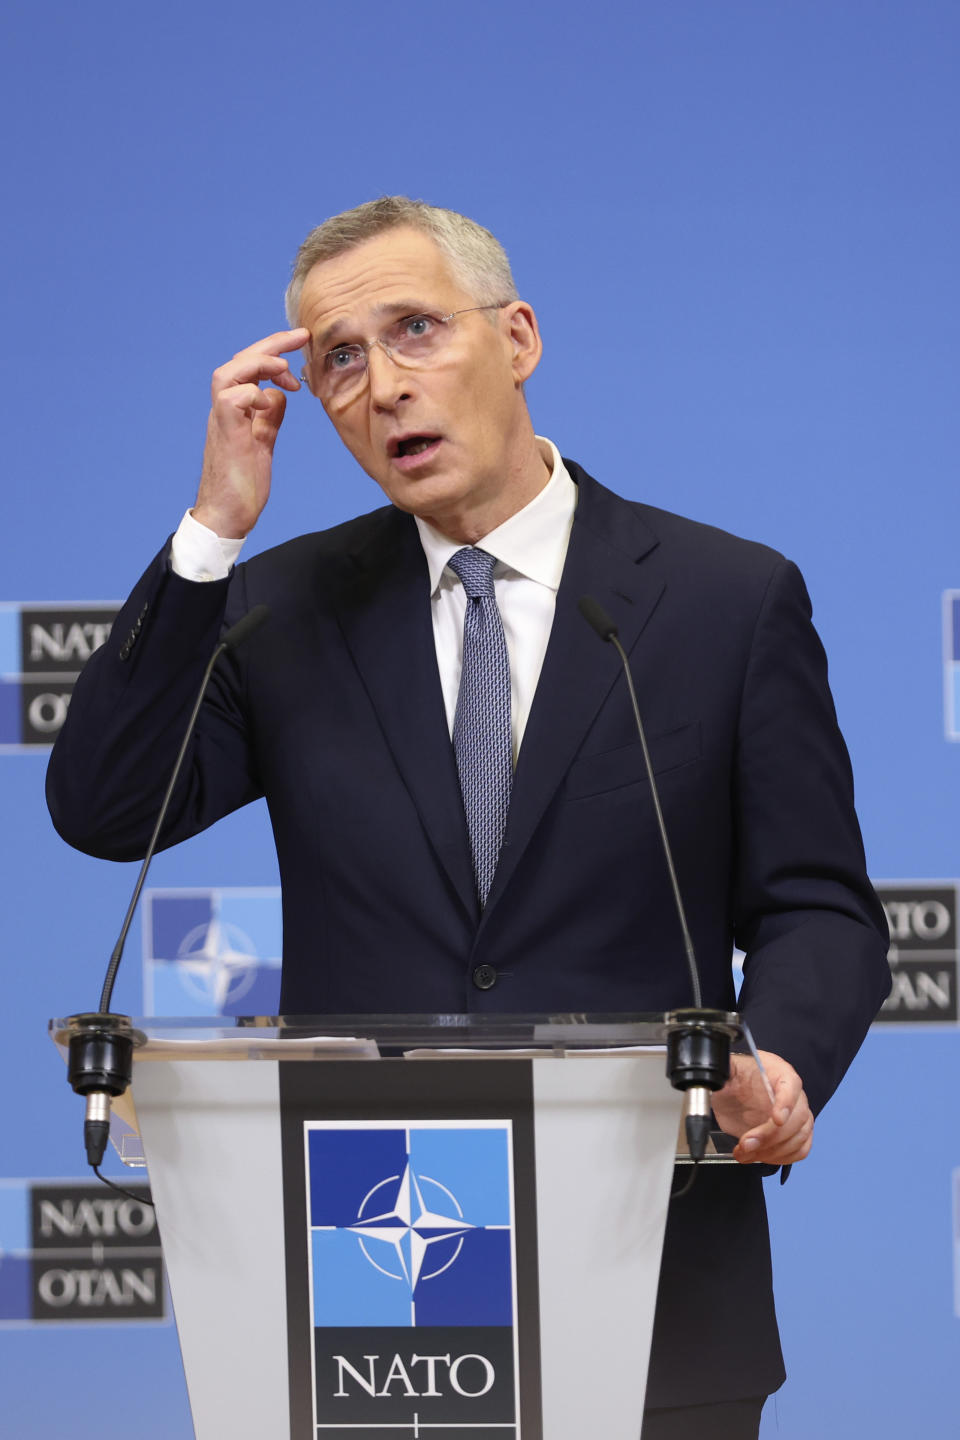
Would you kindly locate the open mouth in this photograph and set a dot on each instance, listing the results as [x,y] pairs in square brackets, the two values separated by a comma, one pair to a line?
[412,446]
[415,445]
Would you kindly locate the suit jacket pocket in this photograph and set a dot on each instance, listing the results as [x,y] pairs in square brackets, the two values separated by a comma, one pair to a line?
[614,769]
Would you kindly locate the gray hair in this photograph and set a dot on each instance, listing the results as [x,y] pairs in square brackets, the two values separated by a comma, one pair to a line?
[477,259]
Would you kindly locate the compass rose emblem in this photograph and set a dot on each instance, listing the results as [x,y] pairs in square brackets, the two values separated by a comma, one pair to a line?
[397,1240]
[217,963]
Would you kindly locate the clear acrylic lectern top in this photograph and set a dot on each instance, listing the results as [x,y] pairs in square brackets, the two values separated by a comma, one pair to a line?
[224,1038]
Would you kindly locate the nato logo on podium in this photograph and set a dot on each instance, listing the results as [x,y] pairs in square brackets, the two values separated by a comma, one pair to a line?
[412,1275]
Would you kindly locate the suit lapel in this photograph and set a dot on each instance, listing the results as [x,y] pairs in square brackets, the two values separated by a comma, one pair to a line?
[384,613]
[608,541]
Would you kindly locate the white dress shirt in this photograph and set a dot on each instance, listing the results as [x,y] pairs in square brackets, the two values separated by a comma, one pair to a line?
[530,550]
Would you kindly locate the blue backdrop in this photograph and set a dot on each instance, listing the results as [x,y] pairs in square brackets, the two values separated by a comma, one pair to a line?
[738,223]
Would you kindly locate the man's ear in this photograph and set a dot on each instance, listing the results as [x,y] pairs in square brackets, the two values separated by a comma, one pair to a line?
[524,333]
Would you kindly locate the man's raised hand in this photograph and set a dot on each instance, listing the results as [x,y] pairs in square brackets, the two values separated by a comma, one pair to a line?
[241,433]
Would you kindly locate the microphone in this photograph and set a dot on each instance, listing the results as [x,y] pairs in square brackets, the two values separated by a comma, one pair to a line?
[239,633]
[698,1042]
[595,615]
[100,1058]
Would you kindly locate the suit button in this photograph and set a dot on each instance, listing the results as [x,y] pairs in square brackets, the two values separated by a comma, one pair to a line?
[485,977]
[124,651]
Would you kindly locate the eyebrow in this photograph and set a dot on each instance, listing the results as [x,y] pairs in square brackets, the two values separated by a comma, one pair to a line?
[385,307]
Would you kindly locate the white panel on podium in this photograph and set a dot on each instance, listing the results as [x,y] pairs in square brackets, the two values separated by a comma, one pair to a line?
[211,1134]
[606,1132]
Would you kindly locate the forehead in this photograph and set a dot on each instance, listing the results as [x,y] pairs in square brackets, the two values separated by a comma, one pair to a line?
[392,271]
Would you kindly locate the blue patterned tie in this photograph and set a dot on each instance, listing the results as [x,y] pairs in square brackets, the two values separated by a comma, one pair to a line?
[481,728]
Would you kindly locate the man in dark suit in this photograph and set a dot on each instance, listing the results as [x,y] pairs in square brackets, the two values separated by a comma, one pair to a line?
[342,709]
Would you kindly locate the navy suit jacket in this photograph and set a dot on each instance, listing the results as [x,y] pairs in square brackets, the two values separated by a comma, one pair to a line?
[333,711]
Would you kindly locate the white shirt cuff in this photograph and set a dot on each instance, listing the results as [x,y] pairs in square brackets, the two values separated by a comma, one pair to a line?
[197,553]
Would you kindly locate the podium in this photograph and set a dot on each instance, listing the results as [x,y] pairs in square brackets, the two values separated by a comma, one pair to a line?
[435,1226]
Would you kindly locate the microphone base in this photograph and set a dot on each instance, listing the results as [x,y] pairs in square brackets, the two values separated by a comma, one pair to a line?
[698,1048]
[100,1053]
[698,1062]
[100,1067]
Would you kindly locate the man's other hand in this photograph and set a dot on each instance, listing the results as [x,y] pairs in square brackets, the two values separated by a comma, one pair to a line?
[241,433]
[777,1134]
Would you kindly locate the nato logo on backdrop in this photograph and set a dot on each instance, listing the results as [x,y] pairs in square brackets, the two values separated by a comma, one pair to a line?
[73,1252]
[212,951]
[43,648]
[951,664]
[922,915]
[412,1276]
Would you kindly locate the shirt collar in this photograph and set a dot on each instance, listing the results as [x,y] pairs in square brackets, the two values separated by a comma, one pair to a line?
[532,543]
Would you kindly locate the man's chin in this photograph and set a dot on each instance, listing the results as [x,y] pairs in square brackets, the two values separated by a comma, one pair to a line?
[428,495]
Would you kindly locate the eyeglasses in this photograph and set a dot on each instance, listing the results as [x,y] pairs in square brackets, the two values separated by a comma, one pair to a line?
[413,342]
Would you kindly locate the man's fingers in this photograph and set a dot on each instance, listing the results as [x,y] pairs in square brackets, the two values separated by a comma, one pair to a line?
[787,1090]
[789,1154]
[251,370]
[268,416]
[238,403]
[786,1152]
[773,1144]
[280,343]
[778,1129]
[262,361]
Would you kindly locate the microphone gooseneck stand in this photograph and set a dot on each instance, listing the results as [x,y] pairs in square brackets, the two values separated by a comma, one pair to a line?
[101,1045]
[698,1039]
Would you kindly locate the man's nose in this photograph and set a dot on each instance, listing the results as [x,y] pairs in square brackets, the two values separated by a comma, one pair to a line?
[389,381]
